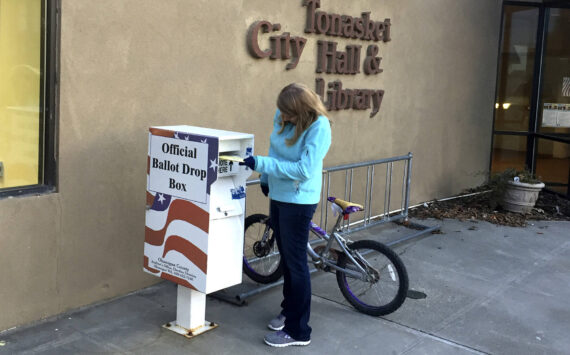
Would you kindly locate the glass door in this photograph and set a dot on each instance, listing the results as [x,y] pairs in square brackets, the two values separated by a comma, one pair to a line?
[514,87]
[553,144]
[532,108]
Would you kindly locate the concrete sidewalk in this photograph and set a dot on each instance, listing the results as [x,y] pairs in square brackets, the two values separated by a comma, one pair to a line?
[490,290]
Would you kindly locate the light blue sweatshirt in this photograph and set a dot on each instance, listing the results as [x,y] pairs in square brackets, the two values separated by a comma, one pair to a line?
[294,173]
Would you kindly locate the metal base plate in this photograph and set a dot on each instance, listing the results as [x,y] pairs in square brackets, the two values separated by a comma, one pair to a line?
[190,333]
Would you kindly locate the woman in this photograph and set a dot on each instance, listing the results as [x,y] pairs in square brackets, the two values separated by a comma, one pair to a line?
[292,176]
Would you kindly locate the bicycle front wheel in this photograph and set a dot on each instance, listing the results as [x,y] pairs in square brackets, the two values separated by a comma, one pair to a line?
[261,258]
[386,286]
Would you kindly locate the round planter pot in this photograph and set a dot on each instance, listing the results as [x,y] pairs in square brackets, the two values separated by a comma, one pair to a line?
[520,197]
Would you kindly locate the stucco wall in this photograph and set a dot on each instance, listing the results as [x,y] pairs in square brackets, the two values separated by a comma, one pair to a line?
[130,64]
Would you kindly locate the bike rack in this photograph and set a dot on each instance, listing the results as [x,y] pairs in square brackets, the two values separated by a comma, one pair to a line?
[372,217]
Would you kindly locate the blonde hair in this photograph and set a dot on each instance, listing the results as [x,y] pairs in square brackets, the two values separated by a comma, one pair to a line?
[299,101]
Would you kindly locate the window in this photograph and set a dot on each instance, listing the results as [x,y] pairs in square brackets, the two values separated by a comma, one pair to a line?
[27,96]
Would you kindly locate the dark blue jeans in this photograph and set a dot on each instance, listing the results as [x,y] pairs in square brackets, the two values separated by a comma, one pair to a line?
[290,223]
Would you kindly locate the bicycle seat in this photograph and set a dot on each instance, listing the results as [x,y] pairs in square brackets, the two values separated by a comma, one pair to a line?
[347,206]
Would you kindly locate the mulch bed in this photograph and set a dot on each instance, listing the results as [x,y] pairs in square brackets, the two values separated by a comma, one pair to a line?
[550,207]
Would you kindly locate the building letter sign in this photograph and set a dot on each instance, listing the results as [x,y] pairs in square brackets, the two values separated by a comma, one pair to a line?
[330,58]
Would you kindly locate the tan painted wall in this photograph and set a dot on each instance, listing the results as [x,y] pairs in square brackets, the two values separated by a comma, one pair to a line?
[129,64]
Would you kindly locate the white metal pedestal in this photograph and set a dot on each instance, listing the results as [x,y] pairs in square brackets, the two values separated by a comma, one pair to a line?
[190,313]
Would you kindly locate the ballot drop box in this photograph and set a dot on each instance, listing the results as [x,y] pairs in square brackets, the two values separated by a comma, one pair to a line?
[195,215]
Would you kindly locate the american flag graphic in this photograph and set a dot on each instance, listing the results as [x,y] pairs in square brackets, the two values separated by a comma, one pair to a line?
[566,86]
[176,230]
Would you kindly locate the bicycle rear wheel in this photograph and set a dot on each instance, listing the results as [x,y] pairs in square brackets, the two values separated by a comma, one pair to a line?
[387,287]
[261,259]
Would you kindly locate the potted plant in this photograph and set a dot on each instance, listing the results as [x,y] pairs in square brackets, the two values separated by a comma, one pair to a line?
[516,190]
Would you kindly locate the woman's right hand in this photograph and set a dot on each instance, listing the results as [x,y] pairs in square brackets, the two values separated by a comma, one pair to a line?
[249,162]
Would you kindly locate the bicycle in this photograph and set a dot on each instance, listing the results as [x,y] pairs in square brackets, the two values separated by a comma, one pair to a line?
[370,275]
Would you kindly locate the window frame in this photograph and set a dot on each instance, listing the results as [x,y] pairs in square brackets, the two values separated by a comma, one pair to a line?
[49,106]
